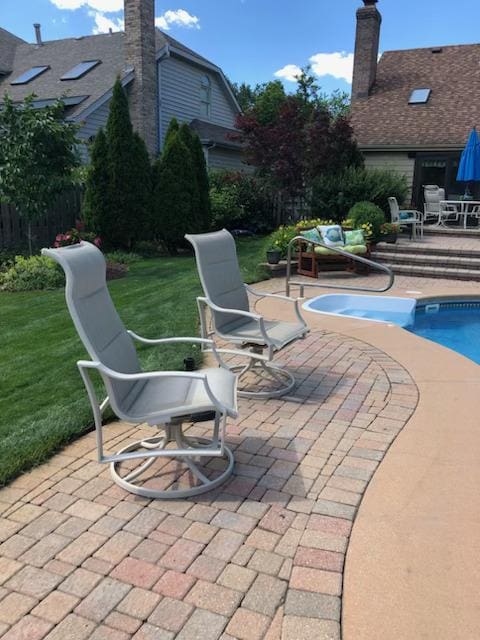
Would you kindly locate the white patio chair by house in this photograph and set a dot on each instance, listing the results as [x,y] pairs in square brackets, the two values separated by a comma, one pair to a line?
[406,217]
[165,399]
[433,195]
[230,318]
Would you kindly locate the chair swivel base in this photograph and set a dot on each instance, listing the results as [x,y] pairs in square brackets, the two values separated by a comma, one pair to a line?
[131,480]
[264,372]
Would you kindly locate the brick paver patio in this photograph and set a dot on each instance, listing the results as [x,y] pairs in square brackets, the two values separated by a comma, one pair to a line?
[261,557]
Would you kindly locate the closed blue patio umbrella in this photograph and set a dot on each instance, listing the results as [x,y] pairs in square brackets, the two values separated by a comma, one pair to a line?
[469,167]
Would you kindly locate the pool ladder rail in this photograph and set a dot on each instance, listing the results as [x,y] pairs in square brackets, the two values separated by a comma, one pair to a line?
[374,265]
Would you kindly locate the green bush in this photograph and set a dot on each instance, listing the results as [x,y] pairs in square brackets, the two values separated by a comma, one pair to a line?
[250,198]
[281,238]
[122,257]
[30,274]
[368,216]
[333,195]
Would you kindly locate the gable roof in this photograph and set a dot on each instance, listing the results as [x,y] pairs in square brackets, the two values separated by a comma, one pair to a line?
[386,119]
[8,43]
[94,86]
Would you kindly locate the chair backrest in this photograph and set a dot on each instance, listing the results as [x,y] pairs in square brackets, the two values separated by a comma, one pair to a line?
[394,209]
[94,315]
[222,283]
[433,195]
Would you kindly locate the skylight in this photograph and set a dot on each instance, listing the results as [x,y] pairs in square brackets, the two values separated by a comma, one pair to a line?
[419,96]
[29,75]
[80,70]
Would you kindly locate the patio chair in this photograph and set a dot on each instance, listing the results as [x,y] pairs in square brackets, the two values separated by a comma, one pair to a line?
[433,195]
[406,217]
[165,399]
[230,317]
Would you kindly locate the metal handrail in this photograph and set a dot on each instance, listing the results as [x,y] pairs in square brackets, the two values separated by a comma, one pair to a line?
[302,285]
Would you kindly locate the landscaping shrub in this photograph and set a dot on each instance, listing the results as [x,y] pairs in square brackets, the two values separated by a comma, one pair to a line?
[200,216]
[96,210]
[250,199]
[75,235]
[30,274]
[333,195]
[122,257]
[367,216]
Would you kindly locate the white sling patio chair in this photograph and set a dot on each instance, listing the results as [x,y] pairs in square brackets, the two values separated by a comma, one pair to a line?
[406,217]
[226,298]
[165,399]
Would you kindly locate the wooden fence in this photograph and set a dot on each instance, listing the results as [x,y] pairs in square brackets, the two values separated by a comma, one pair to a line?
[62,216]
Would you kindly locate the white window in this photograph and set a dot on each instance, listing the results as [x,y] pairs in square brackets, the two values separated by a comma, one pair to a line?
[205,97]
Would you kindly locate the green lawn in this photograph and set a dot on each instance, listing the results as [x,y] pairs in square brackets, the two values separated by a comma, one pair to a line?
[43,404]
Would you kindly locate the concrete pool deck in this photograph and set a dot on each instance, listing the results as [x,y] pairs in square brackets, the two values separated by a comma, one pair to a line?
[413,562]
[353,511]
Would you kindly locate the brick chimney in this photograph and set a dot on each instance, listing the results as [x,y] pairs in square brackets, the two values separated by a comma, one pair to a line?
[140,54]
[366,49]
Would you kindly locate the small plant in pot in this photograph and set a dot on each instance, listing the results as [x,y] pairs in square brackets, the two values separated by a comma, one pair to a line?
[389,233]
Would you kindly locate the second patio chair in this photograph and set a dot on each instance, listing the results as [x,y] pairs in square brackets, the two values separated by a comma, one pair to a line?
[164,399]
[406,217]
[230,317]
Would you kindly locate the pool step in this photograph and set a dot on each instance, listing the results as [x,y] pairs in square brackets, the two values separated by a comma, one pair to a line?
[424,271]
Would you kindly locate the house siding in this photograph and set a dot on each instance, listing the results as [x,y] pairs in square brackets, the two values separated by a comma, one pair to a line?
[90,127]
[180,84]
[399,162]
[227,159]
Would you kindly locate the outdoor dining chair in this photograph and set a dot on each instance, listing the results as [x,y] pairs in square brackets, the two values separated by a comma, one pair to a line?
[230,317]
[164,399]
[406,217]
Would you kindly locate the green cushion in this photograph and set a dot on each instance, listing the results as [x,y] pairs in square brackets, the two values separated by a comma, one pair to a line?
[322,251]
[312,234]
[357,249]
[354,237]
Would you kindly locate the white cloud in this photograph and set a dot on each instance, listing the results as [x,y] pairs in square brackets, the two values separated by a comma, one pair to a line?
[104,6]
[179,18]
[288,72]
[338,64]
[104,24]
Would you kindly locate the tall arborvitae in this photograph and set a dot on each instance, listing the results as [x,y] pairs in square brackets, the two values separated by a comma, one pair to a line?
[141,185]
[96,205]
[174,194]
[201,212]
[119,138]
[172,131]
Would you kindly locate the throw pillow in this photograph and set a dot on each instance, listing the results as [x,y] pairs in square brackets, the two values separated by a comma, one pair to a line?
[354,237]
[312,234]
[332,235]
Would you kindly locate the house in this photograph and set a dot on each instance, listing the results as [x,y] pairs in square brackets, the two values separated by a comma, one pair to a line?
[162,77]
[412,110]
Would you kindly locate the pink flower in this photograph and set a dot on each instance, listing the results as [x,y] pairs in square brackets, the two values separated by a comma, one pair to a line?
[97,242]
[59,237]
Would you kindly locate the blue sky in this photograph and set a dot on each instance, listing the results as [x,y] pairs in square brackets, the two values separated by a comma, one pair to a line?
[253,39]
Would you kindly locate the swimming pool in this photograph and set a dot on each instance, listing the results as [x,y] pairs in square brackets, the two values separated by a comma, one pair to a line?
[452,323]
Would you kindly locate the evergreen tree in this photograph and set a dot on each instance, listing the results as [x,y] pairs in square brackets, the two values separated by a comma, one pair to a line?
[96,207]
[203,214]
[172,131]
[141,185]
[120,222]
[174,194]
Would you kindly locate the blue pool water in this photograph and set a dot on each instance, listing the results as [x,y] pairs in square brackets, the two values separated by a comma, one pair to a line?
[455,325]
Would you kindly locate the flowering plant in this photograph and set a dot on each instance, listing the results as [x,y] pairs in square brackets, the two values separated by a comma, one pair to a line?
[76,235]
[388,228]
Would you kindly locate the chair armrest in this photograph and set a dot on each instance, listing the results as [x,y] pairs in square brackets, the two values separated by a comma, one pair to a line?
[241,314]
[294,301]
[151,375]
[180,339]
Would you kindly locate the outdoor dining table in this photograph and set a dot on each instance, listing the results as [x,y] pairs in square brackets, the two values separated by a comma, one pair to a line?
[463,208]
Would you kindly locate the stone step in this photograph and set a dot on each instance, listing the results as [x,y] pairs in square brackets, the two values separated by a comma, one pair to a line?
[457,232]
[432,260]
[434,272]
[418,249]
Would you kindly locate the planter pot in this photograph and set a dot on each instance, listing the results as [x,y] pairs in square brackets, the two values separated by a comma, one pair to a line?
[273,256]
[390,238]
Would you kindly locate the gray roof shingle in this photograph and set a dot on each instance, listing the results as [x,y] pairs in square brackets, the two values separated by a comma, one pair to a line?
[63,55]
